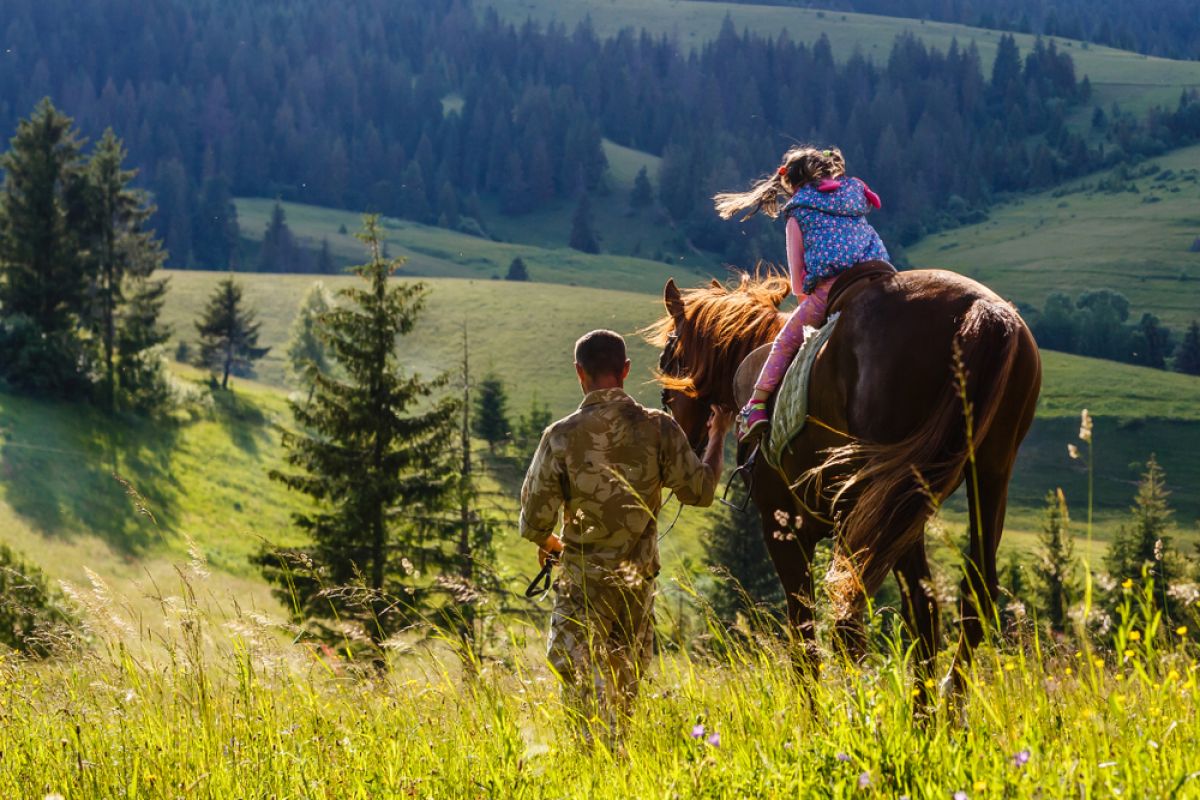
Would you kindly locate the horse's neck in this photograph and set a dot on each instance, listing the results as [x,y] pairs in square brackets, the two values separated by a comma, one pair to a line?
[736,353]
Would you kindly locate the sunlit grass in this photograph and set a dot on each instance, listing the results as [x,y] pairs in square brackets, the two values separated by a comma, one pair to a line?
[223,705]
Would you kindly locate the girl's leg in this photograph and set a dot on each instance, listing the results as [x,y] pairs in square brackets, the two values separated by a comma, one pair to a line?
[811,313]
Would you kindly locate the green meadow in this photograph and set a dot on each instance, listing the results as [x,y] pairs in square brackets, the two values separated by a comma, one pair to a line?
[1136,240]
[1136,81]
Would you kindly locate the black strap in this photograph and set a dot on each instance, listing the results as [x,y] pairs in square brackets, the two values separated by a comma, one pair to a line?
[542,582]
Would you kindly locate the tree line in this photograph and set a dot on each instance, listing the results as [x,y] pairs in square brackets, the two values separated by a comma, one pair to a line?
[1097,323]
[434,112]
[1167,28]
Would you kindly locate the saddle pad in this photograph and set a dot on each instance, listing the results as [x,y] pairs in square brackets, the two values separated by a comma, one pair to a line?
[791,398]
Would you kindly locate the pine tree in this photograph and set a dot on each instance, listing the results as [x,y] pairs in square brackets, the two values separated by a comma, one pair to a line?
[490,420]
[122,256]
[228,333]
[530,427]
[307,353]
[517,271]
[583,238]
[278,252]
[42,274]
[1055,566]
[735,546]
[215,226]
[325,265]
[1187,359]
[1144,544]
[642,195]
[371,451]
[140,379]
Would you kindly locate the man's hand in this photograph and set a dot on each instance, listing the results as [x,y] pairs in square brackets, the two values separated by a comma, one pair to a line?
[714,453]
[553,546]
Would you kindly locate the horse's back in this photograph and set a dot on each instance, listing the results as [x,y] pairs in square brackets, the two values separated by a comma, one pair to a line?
[892,355]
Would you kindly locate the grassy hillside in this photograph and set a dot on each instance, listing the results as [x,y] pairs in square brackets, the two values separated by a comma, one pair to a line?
[1080,236]
[1135,80]
[525,333]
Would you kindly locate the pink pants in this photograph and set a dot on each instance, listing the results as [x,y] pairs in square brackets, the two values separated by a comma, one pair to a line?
[811,313]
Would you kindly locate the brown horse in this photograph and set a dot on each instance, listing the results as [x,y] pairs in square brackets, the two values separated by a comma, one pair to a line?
[926,375]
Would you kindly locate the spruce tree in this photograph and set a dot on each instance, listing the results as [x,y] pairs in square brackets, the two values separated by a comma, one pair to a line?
[1187,359]
[140,379]
[325,265]
[583,238]
[42,274]
[371,451]
[530,427]
[490,421]
[1144,544]
[215,226]
[517,271]
[278,253]
[1055,564]
[122,257]
[735,548]
[228,333]
[307,353]
[642,195]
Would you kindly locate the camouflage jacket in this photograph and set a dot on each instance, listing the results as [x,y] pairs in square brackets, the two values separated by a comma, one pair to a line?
[603,469]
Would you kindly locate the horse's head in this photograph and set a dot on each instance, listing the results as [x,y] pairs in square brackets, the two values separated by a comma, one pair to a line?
[704,336]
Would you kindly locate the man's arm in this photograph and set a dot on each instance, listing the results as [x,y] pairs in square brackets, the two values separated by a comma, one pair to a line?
[541,494]
[694,480]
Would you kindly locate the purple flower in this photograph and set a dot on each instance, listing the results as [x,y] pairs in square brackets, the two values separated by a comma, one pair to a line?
[842,757]
[1021,758]
[864,780]
[698,731]
[714,739]
[960,795]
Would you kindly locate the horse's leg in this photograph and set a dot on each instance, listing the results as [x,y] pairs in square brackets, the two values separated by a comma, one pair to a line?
[921,614]
[987,501]
[791,540]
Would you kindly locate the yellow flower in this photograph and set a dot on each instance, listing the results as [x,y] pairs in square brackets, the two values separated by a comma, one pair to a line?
[1070,671]
[1009,667]
[1098,663]
[916,692]
[1129,654]
[1172,675]
[1127,584]
[1135,636]
[1118,677]
[929,683]
[1181,630]
[980,786]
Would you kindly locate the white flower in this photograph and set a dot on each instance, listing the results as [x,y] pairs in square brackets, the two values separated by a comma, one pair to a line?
[1085,426]
[1072,451]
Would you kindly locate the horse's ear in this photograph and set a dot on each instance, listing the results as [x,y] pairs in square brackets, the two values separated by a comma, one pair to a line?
[672,299]
[716,284]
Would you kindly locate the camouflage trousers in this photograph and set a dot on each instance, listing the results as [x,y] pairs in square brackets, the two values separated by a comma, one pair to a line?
[601,642]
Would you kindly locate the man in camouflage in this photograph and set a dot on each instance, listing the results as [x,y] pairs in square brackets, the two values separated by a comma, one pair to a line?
[602,470]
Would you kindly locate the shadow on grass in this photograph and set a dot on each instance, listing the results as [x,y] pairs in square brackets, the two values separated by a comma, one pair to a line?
[69,468]
[239,417]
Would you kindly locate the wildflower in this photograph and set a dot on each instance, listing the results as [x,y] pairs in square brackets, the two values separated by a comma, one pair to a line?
[1135,636]
[842,757]
[960,795]
[1127,584]
[1172,675]
[1098,663]
[1010,666]
[1073,451]
[1158,549]
[714,740]
[1118,677]
[864,780]
[1085,426]
[698,731]
[980,786]
[1021,758]
[1181,630]
[1129,654]
[1069,671]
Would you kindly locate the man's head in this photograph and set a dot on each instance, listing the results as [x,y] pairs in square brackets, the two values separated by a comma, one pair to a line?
[600,361]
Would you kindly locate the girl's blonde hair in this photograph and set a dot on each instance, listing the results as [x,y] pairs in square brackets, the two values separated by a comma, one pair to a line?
[801,166]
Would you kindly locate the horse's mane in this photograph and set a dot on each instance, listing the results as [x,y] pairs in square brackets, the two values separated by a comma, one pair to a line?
[729,321]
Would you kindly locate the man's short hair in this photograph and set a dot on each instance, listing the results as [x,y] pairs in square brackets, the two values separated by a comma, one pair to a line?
[601,353]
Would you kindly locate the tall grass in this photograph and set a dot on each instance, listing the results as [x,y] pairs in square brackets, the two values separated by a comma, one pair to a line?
[224,704]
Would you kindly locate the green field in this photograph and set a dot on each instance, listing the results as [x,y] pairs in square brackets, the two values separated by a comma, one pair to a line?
[1078,236]
[1134,80]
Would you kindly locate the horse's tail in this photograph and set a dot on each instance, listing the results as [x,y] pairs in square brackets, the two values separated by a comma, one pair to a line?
[896,483]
